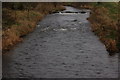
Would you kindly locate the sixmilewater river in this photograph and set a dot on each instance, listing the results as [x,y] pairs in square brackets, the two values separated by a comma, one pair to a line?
[62,46]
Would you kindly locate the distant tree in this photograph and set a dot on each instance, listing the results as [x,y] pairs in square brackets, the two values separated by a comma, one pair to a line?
[55,4]
[27,7]
[99,3]
[15,7]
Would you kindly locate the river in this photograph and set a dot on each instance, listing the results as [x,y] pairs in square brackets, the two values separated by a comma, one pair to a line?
[61,46]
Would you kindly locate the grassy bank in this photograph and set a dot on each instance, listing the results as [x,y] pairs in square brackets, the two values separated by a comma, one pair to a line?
[104,23]
[21,21]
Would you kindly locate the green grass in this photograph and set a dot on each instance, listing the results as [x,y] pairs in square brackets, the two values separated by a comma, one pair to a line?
[112,35]
[111,6]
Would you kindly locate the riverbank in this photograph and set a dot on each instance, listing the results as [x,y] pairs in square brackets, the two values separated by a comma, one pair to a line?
[18,23]
[104,23]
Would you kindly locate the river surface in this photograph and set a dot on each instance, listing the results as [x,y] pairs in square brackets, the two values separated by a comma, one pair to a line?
[62,46]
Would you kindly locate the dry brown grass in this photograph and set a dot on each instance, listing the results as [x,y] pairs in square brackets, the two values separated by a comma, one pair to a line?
[24,23]
[80,5]
[23,26]
[105,28]
[42,8]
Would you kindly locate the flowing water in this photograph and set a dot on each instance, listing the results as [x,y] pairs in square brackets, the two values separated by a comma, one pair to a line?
[62,46]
